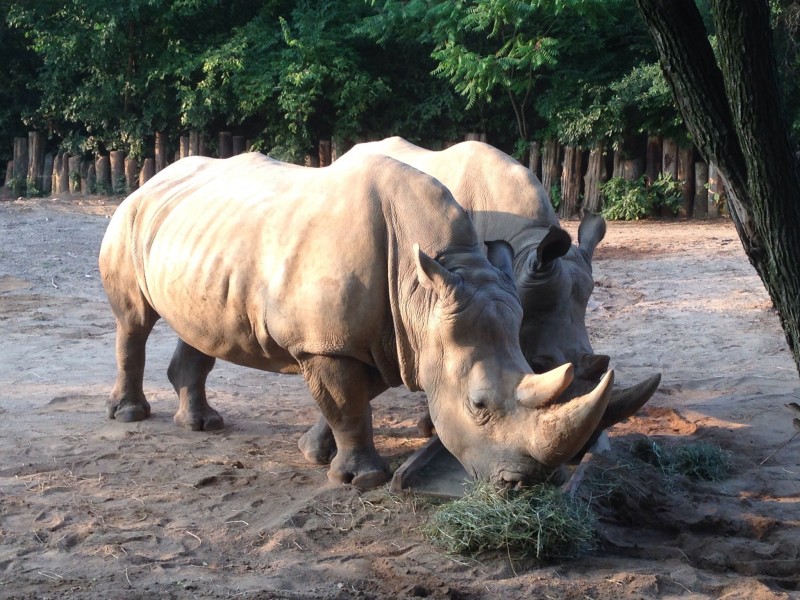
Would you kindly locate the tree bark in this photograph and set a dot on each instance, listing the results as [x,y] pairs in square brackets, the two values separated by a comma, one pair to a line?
[735,114]
[35,163]
[47,174]
[570,181]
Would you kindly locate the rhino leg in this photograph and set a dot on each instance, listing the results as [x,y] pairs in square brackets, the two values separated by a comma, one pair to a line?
[187,372]
[343,388]
[317,444]
[127,402]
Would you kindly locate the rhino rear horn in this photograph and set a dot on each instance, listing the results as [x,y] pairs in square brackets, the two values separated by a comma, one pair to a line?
[535,391]
[625,402]
[555,244]
[591,232]
[501,255]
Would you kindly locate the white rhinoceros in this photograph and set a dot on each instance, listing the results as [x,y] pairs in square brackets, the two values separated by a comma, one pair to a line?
[554,279]
[328,273]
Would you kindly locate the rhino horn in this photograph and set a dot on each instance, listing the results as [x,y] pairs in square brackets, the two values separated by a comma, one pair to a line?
[563,429]
[535,391]
[626,401]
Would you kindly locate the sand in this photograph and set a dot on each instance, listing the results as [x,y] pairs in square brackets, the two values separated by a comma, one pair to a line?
[93,508]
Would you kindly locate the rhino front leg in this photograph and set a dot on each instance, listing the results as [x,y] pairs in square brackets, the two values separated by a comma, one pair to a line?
[343,388]
[127,402]
[317,444]
[187,372]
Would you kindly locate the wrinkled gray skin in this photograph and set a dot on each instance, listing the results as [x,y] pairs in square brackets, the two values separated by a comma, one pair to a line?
[554,279]
[328,273]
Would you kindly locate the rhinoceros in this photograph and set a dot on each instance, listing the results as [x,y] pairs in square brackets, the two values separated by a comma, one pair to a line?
[360,276]
[506,201]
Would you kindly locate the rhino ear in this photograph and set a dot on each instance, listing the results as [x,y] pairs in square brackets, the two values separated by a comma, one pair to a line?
[501,255]
[591,232]
[555,244]
[431,274]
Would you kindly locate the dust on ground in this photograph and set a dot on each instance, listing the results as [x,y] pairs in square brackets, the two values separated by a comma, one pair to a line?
[93,508]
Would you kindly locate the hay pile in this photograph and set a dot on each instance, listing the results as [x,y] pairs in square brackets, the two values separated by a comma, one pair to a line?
[540,521]
[700,461]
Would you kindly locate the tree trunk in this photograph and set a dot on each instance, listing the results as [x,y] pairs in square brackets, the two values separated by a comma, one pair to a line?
[654,158]
[737,120]
[550,155]
[685,175]
[700,190]
[117,171]
[535,158]
[160,151]
[35,163]
[595,177]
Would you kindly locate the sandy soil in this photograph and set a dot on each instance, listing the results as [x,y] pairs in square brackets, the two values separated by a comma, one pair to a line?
[92,508]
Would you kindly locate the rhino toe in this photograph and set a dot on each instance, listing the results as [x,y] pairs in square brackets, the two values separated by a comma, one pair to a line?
[210,420]
[128,412]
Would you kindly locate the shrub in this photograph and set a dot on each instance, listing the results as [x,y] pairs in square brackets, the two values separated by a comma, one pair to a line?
[632,200]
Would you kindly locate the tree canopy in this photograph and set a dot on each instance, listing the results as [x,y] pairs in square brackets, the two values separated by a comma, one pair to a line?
[96,75]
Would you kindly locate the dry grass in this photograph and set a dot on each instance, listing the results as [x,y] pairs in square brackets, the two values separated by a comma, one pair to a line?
[539,521]
[700,461]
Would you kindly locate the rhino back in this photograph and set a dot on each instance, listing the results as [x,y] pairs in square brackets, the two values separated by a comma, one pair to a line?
[257,262]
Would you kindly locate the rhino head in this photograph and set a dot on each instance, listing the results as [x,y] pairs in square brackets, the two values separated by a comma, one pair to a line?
[555,283]
[489,409]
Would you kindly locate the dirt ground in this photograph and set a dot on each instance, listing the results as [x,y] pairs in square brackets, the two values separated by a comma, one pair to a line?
[93,508]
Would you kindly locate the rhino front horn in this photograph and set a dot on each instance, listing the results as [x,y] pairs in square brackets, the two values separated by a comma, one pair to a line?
[563,429]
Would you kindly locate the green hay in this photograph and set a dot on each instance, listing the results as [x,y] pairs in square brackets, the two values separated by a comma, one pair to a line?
[540,521]
[699,461]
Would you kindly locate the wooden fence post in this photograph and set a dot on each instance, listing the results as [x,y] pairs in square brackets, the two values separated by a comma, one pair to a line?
[35,163]
[9,173]
[685,174]
[131,174]
[91,177]
[550,155]
[183,147]
[570,181]
[117,171]
[654,158]
[325,153]
[669,158]
[74,174]
[47,174]
[237,145]
[475,137]
[160,151]
[594,179]
[225,144]
[194,143]
[102,165]
[700,189]
[147,172]
[20,166]
[632,169]
[716,192]
[535,158]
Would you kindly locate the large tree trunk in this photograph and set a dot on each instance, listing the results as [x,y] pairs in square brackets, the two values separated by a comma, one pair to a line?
[736,118]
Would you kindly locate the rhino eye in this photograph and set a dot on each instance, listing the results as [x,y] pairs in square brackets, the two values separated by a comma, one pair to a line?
[479,404]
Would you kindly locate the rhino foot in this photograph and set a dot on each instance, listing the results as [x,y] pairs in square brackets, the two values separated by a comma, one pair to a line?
[317,444]
[206,420]
[365,471]
[127,412]
[425,425]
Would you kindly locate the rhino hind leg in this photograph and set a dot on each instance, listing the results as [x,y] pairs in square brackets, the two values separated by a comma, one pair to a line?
[343,388]
[187,372]
[318,444]
[127,402]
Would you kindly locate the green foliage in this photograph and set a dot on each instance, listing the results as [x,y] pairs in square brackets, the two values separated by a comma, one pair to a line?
[633,200]
[540,521]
